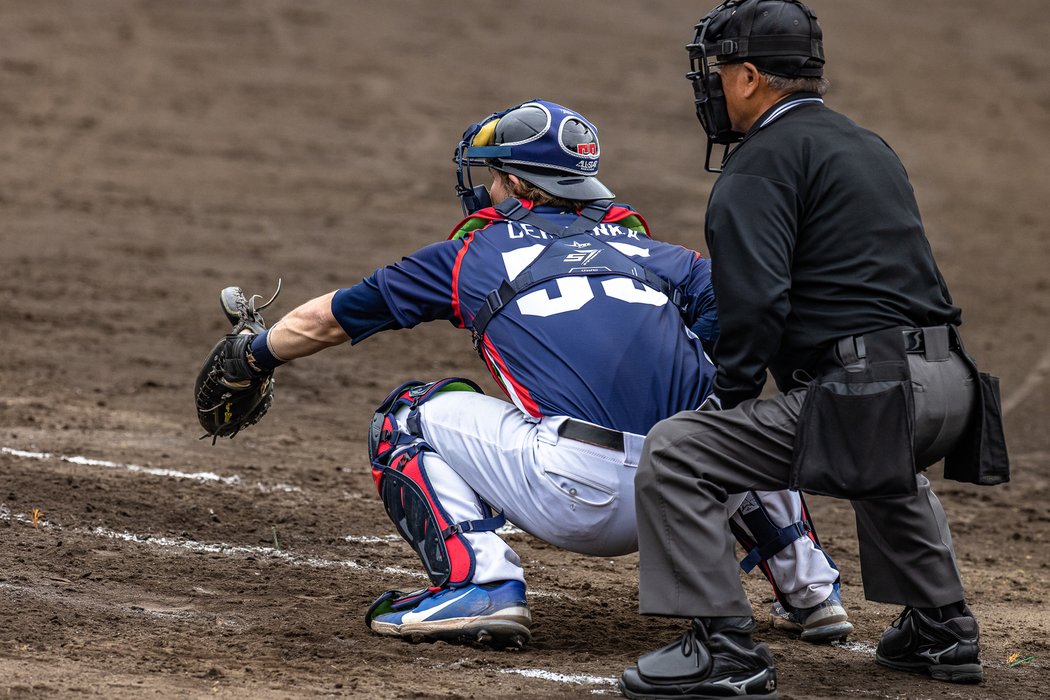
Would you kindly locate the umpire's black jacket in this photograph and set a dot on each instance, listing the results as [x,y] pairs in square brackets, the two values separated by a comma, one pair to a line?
[817,225]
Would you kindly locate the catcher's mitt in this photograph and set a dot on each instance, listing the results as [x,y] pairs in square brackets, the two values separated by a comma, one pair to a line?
[231,393]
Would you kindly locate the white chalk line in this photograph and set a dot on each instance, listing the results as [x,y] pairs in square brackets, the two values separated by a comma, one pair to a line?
[139,469]
[560,677]
[210,548]
[233,550]
[507,529]
[857,647]
[1039,371]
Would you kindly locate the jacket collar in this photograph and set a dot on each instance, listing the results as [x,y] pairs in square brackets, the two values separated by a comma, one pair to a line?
[782,107]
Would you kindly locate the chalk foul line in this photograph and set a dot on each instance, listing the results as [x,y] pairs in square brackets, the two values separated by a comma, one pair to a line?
[139,469]
[272,553]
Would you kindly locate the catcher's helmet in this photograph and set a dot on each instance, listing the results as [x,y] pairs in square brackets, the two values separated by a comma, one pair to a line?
[546,144]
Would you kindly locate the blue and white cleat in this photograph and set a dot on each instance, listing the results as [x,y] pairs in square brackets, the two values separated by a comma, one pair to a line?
[823,623]
[494,614]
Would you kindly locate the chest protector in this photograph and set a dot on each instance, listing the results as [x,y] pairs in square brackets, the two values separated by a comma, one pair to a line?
[572,250]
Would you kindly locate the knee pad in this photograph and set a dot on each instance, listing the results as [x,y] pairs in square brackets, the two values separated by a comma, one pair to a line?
[385,435]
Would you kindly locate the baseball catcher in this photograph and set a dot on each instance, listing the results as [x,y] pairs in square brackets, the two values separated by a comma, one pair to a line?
[594,331]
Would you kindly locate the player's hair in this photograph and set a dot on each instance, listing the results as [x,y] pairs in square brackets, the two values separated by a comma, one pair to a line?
[788,86]
[526,190]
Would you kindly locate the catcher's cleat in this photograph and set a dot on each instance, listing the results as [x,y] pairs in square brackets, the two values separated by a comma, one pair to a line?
[947,651]
[493,614]
[716,658]
[820,624]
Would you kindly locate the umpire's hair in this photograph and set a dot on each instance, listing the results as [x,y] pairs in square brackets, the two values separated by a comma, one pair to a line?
[788,86]
[529,191]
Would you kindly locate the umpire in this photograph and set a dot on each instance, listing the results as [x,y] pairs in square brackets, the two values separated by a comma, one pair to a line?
[823,276]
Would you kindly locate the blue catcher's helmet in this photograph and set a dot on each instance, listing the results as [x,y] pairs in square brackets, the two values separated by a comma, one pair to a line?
[543,143]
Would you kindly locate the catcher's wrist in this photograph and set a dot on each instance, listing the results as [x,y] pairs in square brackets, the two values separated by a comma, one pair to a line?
[261,356]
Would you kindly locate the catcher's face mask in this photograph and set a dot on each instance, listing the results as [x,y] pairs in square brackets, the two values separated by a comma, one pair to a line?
[543,143]
[783,39]
[473,149]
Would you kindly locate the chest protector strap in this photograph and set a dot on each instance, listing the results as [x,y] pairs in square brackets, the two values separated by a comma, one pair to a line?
[572,250]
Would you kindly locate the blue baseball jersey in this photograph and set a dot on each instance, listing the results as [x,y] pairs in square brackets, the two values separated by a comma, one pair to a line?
[604,348]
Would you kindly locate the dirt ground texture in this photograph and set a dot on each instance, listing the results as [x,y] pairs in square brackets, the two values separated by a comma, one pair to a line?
[153,153]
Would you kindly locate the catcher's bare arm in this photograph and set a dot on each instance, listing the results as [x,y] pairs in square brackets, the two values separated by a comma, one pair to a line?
[305,330]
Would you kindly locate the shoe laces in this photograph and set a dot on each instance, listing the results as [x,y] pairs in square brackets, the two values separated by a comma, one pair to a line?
[693,640]
[899,622]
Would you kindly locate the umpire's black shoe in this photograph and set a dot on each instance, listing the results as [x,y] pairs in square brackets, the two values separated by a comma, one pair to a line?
[714,659]
[947,651]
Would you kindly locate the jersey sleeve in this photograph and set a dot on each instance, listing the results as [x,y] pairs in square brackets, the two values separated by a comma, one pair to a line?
[704,307]
[418,288]
[751,250]
[361,311]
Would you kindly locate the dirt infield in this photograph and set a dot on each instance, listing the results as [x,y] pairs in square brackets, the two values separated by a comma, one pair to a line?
[155,152]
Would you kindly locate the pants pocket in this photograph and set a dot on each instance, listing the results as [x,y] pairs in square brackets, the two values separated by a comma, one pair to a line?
[855,440]
[580,489]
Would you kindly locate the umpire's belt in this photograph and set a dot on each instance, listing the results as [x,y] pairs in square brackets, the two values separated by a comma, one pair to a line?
[934,342]
[591,434]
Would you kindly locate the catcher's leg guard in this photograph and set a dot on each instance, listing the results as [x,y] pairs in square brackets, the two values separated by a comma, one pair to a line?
[399,468]
[762,539]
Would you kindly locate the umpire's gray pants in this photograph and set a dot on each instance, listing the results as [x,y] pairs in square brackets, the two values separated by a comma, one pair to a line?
[694,459]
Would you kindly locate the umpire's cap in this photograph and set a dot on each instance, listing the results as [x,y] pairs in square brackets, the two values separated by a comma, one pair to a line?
[780,37]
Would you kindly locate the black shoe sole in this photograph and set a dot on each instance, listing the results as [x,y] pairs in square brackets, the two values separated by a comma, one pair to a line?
[950,673]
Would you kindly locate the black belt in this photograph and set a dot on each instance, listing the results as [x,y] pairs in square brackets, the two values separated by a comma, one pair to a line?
[934,342]
[591,434]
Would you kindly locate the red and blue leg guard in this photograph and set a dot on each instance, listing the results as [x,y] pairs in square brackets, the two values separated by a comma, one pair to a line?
[408,494]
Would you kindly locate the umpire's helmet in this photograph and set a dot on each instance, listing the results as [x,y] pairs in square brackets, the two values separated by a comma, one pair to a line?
[780,37]
[546,144]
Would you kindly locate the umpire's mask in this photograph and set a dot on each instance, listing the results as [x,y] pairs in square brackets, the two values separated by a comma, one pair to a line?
[780,37]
